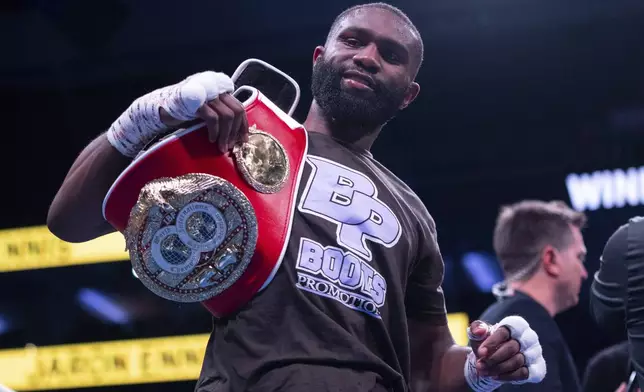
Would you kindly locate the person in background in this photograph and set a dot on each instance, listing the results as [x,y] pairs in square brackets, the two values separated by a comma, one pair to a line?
[541,251]
[617,294]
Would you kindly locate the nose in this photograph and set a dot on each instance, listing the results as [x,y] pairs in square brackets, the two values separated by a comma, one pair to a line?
[368,58]
[584,273]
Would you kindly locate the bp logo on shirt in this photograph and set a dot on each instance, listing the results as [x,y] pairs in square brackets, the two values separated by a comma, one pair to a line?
[348,199]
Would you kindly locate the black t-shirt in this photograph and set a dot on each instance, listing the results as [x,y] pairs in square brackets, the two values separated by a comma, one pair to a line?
[362,258]
[617,299]
[561,371]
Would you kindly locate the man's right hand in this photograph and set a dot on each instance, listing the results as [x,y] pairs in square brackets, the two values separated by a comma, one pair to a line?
[204,95]
[75,214]
[225,118]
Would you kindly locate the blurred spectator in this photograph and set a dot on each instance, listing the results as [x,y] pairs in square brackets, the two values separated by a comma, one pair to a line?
[541,251]
[617,295]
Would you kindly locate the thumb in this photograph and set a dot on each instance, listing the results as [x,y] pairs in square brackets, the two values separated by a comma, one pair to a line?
[477,333]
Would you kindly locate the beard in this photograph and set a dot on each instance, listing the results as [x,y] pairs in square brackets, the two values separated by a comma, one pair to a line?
[350,110]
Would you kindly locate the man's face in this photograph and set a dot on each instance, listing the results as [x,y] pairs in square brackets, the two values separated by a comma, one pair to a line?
[364,75]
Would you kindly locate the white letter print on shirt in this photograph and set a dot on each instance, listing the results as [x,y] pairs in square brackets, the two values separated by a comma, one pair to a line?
[342,276]
[349,199]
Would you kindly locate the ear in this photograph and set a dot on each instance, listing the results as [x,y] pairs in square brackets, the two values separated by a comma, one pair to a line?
[550,261]
[319,50]
[410,94]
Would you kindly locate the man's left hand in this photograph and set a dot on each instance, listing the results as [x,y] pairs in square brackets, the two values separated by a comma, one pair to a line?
[506,352]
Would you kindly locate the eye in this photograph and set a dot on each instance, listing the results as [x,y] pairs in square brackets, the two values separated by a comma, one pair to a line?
[392,57]
[352,42]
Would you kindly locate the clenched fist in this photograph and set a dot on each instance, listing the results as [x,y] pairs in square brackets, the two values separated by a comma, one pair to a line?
[205,95]
[506,352]
[224,115]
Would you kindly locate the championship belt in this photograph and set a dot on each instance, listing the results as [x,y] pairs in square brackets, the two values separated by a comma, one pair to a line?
[201,226]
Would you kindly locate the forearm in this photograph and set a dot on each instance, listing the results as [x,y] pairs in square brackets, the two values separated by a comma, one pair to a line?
[75,214]
[449,372]
[443,373]
[437,362]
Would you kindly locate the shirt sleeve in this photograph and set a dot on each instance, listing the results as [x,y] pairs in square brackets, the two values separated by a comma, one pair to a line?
[424,298]
[208,382]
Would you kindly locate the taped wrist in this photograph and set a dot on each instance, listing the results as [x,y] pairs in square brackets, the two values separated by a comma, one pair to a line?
[138,125]
[474,380]
[141,122]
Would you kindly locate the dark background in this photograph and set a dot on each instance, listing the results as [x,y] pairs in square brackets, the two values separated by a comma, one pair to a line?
[514,96]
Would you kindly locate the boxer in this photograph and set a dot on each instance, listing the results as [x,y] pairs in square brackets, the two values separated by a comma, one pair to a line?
[357,303]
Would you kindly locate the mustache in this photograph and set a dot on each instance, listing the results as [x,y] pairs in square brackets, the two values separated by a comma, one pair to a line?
[375,84]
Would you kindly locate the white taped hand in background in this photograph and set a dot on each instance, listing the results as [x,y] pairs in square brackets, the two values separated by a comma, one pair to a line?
[529,348]
[142,122]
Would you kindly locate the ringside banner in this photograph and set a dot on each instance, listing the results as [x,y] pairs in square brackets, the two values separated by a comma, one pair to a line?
[125,362]
[36,248]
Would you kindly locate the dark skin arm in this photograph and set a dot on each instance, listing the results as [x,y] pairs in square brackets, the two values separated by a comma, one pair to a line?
[436,359]
[438,362]
[76,213]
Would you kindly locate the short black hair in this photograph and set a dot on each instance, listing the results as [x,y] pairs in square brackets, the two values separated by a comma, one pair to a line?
[418,44]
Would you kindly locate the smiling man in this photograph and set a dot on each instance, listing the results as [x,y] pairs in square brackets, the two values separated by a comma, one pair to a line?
[357,303]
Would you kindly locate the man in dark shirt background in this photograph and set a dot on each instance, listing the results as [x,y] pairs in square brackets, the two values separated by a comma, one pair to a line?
[541,250]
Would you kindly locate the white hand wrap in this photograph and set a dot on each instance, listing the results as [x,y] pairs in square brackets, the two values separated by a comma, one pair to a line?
[476,382]
[141,122]
[530,348]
